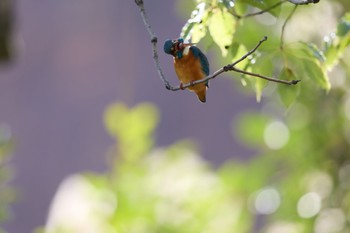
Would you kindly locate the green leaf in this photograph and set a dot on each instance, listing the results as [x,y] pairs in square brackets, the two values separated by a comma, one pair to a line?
[315,72]
[305,63]
[222,26]
[343,27]
[228,3]
[249,32]
[335,44]
[260,84]
[263,65]
[316,52]
[236,51]
[186,29]
[240,7]
[330,51]
[198,32]
[198,18]
[288,93]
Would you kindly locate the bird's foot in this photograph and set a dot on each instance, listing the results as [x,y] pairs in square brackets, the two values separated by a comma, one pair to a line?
[182,86]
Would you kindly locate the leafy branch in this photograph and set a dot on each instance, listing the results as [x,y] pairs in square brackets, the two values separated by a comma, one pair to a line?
[262,11]
[229,67]
[268,9]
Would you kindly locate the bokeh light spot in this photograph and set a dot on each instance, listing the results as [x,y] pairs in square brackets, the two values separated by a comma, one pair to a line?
[344,174]
[284,227]
[330,221]
[319,182]
[276,135]
[309,205]
[267,201]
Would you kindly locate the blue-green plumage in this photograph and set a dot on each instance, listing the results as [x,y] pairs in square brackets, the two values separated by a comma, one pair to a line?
[203,59]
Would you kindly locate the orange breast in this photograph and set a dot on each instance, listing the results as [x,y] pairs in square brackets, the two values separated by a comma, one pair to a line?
[188,69]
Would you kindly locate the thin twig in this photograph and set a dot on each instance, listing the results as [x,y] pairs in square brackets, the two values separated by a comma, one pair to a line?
[154,40]
[295,2]
[250,52]
[284,26]
[232,67]
[303,2]
[229,67]
[293,82]
[263,11]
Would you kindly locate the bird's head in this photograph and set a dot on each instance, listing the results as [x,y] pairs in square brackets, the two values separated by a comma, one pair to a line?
[173,46]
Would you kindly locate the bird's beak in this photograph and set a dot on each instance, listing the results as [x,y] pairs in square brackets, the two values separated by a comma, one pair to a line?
[181,46]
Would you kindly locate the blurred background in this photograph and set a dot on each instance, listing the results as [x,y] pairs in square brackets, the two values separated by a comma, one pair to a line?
[71,59]
[91,141]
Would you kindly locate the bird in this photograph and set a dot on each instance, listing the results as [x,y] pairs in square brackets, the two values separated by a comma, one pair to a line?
[190,65]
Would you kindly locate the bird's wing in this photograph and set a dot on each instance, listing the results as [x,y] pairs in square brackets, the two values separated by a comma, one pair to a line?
[203,59]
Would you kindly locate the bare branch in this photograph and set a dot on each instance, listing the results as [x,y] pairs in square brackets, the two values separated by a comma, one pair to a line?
[292,82]
[303,2]
[154,41]
[229,67]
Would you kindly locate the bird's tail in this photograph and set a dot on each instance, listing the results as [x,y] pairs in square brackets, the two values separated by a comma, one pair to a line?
[202,95]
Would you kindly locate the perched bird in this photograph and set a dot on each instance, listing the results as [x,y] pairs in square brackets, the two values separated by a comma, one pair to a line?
[190,65]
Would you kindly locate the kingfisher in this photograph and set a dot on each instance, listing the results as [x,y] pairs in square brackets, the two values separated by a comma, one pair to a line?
[190,65]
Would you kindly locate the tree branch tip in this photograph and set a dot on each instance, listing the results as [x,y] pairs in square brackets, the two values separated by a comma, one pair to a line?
[264,39]
[139,2]
[294,82]
[154,40]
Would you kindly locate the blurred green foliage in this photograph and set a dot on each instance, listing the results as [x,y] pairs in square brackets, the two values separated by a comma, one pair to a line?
[156,189]
[131,129]
[297,183]
[299,179]
[170,188]
[7,194]
[232,28]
